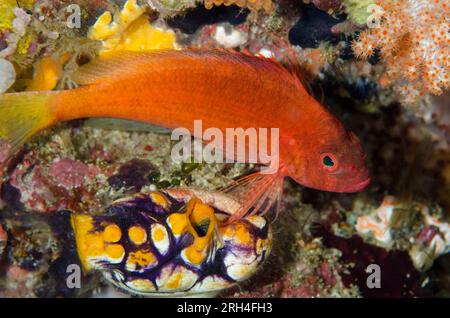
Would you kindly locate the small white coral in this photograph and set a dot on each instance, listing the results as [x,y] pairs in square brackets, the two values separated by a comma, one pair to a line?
[435,241]
[440,244]
[427,238]
[7,75]
[413,37]
[380,223]
[229,38]
[19,24]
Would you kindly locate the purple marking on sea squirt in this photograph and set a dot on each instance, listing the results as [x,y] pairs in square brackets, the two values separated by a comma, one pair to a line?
[142,211]
[144,203]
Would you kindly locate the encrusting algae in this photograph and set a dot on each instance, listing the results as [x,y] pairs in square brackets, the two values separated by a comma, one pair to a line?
[107,196]
[7,15]
[254,5]
[130,30]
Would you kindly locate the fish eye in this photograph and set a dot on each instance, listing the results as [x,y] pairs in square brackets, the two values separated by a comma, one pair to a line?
[329,162]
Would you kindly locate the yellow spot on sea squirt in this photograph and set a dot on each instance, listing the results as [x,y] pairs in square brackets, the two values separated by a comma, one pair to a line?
[158,235]
[160,238]
[137,234]
[159,199]
[115,251]
[174,281]
[141,284]
[94,244]
[178,223]
[112,233]
[142,259]
[237,231]
[90,244]
[130,30]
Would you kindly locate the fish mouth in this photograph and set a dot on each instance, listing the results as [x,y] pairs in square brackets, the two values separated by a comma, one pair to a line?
[359,186]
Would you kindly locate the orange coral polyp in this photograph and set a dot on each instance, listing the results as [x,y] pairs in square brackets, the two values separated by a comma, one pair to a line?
[413,43]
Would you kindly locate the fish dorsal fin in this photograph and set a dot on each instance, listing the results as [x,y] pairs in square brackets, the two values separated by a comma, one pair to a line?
[123,63]
[109,66]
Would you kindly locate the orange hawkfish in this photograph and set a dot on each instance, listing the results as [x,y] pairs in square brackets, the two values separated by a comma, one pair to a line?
[223,89]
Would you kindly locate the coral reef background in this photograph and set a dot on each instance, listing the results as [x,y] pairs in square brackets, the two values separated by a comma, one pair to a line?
[381,66]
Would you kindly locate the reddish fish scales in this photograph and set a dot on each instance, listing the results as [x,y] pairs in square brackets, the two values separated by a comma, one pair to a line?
[224,89]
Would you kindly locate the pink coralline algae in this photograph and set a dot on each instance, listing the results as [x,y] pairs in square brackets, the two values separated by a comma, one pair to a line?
[19,281]
[28,189]
[68,173]
[323,278]
[327,5]
[327,273]
[427,234]
[413,40]
[44,188]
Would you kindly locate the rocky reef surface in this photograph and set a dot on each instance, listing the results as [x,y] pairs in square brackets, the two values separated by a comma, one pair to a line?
[325,244]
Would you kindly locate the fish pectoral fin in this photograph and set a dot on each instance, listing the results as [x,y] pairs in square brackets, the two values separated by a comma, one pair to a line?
[256,193]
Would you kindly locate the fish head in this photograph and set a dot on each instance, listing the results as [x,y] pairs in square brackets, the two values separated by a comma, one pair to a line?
[330,158]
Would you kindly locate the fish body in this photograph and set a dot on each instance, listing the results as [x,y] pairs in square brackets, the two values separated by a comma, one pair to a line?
[172,243]
[173,88]
[222,88]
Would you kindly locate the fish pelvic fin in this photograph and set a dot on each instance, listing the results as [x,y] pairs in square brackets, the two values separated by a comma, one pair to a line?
[257,193]
[21,116]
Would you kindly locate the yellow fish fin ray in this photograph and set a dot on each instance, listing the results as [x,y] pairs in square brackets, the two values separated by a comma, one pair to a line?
[22,115]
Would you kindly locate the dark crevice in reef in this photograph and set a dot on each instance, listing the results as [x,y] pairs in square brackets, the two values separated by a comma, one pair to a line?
[398,276]
[132,175]
[313,27]
[11,196]
[440,276]
[195,18]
